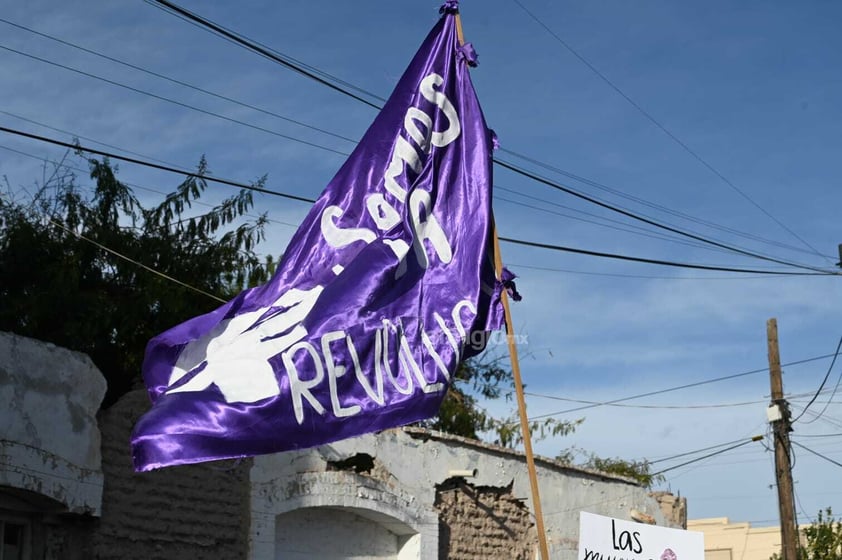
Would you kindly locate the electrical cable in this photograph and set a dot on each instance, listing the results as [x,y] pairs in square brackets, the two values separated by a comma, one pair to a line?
[816,453]
[645,406]
[513,266]
[648,220]
[135,185]
[310,200]
[627,228]
[702,458]
[826,376]
[613,208]
[252,46]
[179,82]
[686,453]
[249,106]
[830,421]
[79,136]
[285,61]
[816,272]
[174,101]
[680,387]
[185,105]
[654,205]
[664,129]
[830,398]
[154,165]
[642,232]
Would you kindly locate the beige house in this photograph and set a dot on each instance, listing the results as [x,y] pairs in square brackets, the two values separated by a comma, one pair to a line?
[736,541]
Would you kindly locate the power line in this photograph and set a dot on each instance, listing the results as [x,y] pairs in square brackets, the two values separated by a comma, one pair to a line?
[172,166]
[613,208]
[310,200]
[832,394]
[826,458]
[174,101]
[708,456]
[286,57]
[154,165]
[89,139]
[624,227]
[179,82]
[826,376]
[654,205]
[835,423]
[662,262]
[638,276]
[694,452]
[680,387]
[272,220]
[252,46]
[640,217]
[664,129]
[645,406]
[249,106]
[296,66]
[134,185]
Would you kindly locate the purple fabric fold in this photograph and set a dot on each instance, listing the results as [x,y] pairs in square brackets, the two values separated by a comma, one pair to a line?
[373,305]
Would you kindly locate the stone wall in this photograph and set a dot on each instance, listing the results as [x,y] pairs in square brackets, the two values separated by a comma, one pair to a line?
[483,523]
[191,512]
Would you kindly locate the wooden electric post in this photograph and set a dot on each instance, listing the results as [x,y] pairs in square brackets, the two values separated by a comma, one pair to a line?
[783,467]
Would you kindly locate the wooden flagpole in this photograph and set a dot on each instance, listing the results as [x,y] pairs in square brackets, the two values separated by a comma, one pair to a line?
[521,401]
[521,404]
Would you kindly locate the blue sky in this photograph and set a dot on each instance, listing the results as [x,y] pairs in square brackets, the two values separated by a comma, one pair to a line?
[752,88]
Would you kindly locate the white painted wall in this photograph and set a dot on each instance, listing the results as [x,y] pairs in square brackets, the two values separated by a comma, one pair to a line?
[49,438]
[331,534]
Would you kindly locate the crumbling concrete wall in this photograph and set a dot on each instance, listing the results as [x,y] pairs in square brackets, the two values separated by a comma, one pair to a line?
[410,467]
[673,507]
[191,512]
[49,439]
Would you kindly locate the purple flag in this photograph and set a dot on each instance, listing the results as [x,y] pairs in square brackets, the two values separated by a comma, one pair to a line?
[385,287]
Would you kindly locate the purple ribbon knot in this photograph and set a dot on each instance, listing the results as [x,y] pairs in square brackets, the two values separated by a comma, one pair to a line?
[467,53]
[450,7]
[507,279]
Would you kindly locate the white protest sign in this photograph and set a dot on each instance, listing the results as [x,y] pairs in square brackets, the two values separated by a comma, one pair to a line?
[604,538]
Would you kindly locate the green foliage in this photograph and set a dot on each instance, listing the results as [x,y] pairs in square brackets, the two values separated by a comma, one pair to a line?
[822,540]
[460,413]
[58,284]
[636,470]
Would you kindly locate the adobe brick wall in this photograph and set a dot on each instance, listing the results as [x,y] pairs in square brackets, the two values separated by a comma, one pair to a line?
[192,512]
[483,523]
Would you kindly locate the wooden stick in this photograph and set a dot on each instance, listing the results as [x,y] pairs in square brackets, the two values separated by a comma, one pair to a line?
[521,404]
[459,34]
[521,401]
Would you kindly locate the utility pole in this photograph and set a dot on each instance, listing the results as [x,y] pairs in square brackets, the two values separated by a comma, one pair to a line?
[779,417]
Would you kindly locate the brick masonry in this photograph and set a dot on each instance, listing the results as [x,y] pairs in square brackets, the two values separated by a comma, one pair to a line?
[190,512]
[486,523]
